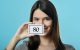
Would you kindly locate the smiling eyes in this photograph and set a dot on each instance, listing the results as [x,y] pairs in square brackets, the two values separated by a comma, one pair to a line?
[35,18]
[45,18]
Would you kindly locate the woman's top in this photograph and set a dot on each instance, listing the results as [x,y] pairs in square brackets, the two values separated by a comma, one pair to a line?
[23,46]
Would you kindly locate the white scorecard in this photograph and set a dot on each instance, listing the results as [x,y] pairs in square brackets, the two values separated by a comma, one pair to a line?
[36,29]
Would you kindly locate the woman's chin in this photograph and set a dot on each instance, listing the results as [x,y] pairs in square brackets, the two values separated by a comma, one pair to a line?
[43,34]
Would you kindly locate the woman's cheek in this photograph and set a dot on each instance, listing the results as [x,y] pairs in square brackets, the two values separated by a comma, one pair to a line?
[48,23]
[35,22]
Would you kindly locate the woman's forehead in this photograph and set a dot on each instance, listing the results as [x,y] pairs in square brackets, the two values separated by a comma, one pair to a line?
[39,13]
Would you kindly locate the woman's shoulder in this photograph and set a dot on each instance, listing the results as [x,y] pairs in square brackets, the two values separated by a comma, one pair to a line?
[69,47]
[22,46]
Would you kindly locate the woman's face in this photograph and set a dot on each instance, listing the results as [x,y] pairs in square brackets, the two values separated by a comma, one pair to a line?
[39,17]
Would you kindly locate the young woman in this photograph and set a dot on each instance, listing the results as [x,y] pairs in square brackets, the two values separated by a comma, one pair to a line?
[42,12]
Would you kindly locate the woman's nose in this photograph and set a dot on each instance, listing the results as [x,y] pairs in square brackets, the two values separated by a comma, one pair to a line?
[41,22]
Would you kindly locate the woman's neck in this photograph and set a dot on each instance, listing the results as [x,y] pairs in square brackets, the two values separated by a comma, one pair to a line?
[46,42]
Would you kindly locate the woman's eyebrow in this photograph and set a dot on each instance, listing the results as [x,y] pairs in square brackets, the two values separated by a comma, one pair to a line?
[44,17]
[47,17]
[35,17]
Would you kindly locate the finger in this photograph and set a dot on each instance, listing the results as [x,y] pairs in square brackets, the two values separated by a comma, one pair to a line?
[22,27]
[28,22]
[30,35]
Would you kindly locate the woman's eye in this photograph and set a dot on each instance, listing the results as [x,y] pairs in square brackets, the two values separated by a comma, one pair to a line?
[48,18]
[36,19]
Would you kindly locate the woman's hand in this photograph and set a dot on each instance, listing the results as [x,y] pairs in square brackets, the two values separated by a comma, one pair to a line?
[20,34]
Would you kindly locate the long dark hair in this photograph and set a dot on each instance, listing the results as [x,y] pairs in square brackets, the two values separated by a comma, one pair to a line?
[53,35]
